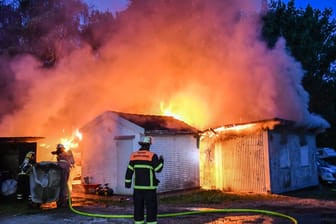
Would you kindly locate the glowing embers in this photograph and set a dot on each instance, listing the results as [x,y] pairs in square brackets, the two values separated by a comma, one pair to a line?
[241,128]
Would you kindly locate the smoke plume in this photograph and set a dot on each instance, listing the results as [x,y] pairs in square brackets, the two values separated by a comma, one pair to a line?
[205,60]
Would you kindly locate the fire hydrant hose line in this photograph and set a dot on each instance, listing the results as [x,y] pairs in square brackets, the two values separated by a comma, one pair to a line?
[198,212]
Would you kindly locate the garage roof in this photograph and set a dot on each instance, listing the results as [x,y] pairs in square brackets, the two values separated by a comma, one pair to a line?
[158,124]
[20,139]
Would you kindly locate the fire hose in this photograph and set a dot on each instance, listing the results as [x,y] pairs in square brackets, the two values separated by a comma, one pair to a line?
[197,212]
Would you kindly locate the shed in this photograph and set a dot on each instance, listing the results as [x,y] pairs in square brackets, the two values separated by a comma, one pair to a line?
[12,152]
[269,156]
[110,138]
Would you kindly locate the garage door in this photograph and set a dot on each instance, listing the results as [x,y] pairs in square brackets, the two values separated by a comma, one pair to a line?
[124,150]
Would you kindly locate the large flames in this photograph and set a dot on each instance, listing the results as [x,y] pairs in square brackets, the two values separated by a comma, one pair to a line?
[73,141]
[187,109]
[68,142]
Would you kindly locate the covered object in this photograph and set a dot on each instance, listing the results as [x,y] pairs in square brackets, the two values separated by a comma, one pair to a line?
[110,138]
[45,182]
[269,156]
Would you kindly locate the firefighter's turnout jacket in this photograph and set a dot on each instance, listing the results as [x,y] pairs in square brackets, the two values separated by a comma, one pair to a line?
[23,188]
[143,163]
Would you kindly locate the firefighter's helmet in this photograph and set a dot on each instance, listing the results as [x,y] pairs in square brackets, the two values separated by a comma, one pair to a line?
[30,155]
[59,149]
[60,146]
[146,140]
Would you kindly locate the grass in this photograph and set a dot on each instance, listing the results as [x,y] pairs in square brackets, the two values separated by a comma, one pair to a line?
[215,196]
[210,197]
[9,206]
[321,192]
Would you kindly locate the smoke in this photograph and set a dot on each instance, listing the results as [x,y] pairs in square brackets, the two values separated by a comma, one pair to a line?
[206,60]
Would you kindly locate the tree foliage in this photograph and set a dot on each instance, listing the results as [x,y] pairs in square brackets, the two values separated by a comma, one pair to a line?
[311,38]
[94,31]
[47,30]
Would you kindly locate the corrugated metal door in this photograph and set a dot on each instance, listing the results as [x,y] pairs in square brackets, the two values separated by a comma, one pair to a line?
[244,164]
[124,150]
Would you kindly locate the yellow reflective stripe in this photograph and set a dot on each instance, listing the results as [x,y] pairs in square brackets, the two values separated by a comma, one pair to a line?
[155,222]
[130,167]
[144,187]
[128,180]
[151,178]
[139,222]
[158,167]
[151,183]
[143,166]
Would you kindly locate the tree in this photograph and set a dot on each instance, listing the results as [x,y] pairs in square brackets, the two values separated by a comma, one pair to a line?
[44,29]
[10,23]
[311,38]
[94,31]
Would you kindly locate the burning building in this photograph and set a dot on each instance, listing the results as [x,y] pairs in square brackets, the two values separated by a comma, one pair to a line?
[113,136]
[204,59]
[269,156]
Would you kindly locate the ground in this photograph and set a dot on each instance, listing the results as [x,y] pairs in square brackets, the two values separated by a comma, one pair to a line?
[314,205]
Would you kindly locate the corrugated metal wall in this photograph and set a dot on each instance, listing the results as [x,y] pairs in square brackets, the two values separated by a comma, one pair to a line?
[293,162]
[236,164]
[274,161]
[244,164]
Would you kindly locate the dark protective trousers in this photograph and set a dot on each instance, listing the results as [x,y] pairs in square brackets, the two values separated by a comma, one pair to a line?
[142,199]
[23,187]
[63,197]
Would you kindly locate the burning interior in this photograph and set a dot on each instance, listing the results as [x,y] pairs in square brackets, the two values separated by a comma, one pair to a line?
[269,156]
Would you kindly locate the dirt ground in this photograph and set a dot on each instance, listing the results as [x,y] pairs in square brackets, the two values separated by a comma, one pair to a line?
[306,206]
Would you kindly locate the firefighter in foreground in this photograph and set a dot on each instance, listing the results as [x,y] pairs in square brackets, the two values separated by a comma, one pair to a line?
[144,164]
[66,161]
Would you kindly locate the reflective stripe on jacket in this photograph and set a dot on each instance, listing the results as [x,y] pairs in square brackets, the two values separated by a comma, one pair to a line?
[143,164]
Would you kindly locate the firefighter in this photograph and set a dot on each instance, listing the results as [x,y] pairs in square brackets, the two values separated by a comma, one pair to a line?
[23,190]
[144,164]
[66,161]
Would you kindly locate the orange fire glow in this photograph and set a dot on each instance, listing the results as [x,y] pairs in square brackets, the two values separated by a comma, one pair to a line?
[187,109]
[68,142]
[73,141]
[168,111]
[235,128]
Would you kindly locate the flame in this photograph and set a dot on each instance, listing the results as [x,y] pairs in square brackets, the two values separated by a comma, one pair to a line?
[73,141]
[68,142]
[241,128]
[236,128]
[168,111]
[186,108]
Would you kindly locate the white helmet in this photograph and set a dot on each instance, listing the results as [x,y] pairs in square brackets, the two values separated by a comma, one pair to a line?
[146,140]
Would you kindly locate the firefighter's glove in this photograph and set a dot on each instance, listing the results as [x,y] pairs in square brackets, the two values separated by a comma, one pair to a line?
[161,159]
[128,185]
